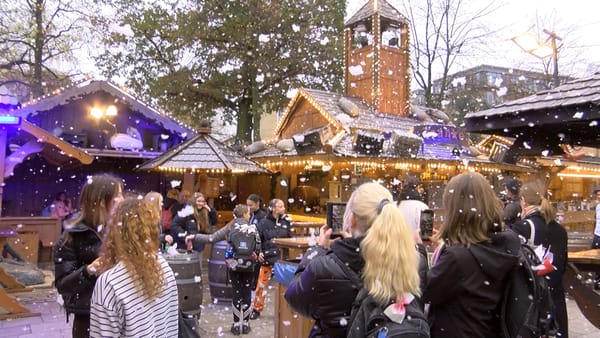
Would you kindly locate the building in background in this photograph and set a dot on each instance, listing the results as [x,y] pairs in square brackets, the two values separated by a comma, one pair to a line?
[484,86]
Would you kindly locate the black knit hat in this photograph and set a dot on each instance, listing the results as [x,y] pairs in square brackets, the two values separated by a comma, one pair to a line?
[513,185]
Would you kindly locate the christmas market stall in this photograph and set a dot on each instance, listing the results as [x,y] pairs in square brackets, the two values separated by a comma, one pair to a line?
[107,130]
[52,144]
[207,165]
[326,143]
[559,129]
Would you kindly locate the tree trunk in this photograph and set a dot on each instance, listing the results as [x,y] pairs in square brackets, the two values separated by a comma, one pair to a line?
[244,122]
[36,83]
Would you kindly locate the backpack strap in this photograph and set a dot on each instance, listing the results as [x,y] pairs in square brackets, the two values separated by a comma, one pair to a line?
[531,239]
[354,277]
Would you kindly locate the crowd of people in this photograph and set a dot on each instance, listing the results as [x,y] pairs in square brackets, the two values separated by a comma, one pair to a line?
[109,267]
[114,280]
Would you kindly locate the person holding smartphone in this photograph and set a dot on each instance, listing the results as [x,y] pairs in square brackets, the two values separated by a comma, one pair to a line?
[326,281]
[411,202]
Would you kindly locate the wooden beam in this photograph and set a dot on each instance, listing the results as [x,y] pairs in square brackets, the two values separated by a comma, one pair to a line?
[45,136]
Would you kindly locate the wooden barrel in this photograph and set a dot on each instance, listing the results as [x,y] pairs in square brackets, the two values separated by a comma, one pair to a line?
[188,275]
[220,287]
[579,241]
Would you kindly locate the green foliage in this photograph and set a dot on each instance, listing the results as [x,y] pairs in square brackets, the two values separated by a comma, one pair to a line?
[36,38]
[238,58]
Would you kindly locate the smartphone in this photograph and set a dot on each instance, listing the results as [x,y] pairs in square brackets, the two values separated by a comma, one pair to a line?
[335,217]
[426,224]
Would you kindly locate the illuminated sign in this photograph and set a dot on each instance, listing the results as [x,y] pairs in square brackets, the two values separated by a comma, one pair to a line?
[10,120]
[440,134]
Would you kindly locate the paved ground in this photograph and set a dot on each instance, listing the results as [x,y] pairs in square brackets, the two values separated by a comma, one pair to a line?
[215,320]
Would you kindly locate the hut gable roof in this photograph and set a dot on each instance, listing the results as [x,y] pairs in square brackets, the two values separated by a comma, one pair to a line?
[365,120]
[382,7]
[572,93]
[88,87]
[203,152]
[569,113]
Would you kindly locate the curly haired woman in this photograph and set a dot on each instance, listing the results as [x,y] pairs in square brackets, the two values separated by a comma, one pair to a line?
[136,294]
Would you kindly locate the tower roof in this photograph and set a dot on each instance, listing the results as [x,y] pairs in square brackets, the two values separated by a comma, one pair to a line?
[382,7]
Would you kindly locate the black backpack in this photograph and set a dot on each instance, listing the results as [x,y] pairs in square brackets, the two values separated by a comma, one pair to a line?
[368,320]
[527,309]
[242,241]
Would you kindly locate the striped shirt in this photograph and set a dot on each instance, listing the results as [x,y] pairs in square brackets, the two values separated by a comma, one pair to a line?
[118,310]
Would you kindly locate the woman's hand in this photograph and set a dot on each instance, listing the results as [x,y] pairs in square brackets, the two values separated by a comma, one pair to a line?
[94,267]
[169,239]
[324,239]
[261,257]
[188,238]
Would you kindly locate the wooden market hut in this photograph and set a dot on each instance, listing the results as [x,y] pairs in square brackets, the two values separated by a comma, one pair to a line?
[207,165]
[326,143]
[553,128]
[557,130]
[90,127]
[53,143]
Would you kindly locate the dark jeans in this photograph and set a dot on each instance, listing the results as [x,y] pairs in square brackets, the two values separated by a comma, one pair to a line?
[81,326]
[241,285]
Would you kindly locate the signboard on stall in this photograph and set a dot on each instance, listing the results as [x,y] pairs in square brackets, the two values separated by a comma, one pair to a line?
[440,134]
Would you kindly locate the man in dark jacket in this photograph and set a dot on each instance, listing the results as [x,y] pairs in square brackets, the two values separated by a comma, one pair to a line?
[275,225]
[512,208]
[255,205]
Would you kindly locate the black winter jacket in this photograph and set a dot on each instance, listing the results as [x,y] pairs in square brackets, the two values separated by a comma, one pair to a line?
[322,290]
[270,228]
[77,247]
[523,228]
[512,211]
[465,287]
[182,226]
[257,216]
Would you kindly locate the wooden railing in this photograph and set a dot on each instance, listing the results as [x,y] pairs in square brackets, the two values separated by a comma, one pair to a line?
[47,229]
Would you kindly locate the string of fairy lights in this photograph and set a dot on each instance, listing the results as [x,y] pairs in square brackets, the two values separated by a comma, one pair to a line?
[125,91]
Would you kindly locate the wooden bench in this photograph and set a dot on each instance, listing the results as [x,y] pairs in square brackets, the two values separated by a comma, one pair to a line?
[48,231]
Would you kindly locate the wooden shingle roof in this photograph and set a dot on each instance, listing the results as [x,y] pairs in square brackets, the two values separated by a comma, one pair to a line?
[570,113]
[573,93]
[203,152]
[88,87]
[382,7]
[366,120]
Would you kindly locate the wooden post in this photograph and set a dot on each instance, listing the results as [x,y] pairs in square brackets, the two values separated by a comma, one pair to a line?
[2,161]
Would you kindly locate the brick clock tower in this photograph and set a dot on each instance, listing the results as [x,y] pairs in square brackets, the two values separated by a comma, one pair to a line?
[376,58]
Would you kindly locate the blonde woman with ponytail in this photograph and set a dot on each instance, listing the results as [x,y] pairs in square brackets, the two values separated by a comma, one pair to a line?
[377,245]
[532,227]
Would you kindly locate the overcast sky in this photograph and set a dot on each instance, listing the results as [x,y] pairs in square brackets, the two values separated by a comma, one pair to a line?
[576,21]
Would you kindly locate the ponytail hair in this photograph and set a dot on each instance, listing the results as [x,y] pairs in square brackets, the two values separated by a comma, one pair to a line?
[547,210]
[388,239]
